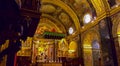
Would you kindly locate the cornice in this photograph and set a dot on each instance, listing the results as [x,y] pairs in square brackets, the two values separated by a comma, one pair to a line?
[115,10]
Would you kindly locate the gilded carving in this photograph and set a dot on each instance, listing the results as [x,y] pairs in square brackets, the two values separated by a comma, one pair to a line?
[64,13]
[64,18]
[99,7]
[48,9]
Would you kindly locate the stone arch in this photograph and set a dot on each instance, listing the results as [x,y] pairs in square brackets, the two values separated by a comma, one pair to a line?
[89,38]
[55,21]
[116,33]
[67,9]
[47,25]
[116,22]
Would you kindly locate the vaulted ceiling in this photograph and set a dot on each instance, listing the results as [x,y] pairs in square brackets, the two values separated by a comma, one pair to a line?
[60,15]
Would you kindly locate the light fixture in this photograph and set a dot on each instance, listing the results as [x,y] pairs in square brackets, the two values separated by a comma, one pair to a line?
[87,18]
[71,30]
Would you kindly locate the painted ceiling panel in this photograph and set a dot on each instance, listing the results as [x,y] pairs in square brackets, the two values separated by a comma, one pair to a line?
[63,13]
[70,13]
[81,8]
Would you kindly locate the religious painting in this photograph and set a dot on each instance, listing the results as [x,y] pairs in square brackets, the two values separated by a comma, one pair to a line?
[43,50]
[73,47]
[62,48]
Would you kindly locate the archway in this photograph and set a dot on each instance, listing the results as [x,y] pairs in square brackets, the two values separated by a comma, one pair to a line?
[118,33]
[118,46]
[91,49]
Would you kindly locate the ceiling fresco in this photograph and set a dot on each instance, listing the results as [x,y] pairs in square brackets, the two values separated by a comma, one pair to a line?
[59,16]
[47,25]
[69,13]
[81,7]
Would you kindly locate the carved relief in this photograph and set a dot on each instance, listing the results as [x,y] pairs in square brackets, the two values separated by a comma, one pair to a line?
[57,13]
[64,18]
